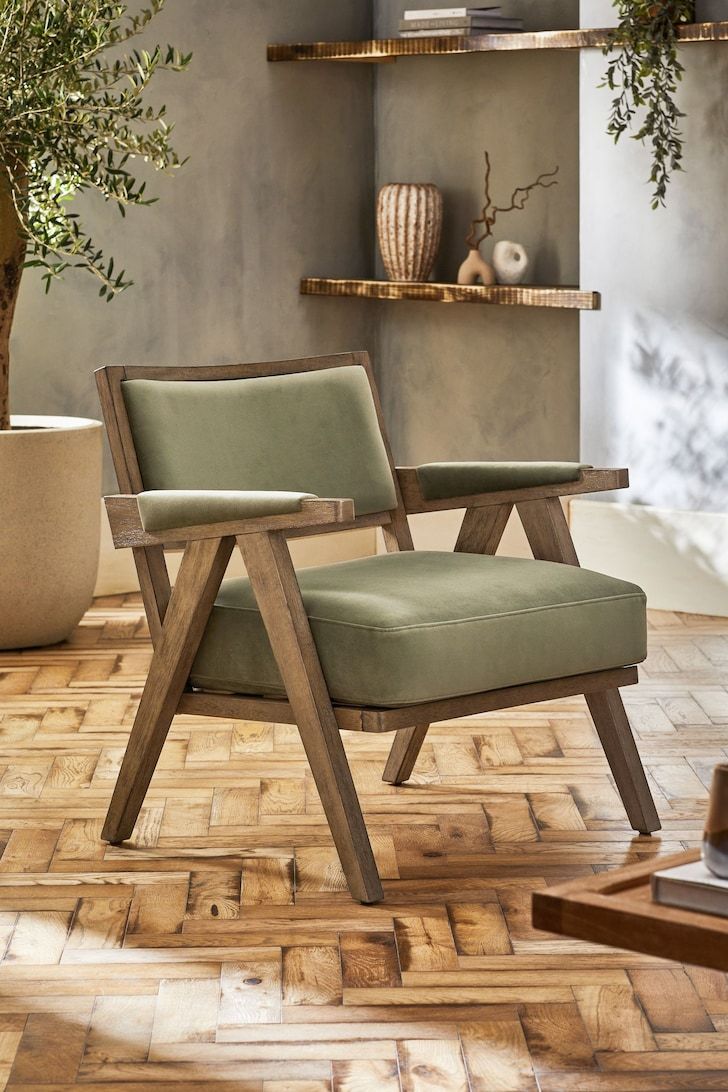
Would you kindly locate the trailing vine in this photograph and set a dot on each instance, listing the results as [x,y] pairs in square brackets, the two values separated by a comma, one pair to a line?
[645,71]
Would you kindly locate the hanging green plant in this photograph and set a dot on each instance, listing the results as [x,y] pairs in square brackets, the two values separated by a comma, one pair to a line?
[644,68]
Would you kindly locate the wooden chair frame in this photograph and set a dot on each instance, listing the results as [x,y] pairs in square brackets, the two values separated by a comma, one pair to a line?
[178,615]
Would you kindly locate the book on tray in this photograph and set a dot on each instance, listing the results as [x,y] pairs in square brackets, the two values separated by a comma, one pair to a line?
[450,22]
[691,887]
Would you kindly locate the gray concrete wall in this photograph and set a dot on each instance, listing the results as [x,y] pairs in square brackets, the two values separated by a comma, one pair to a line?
[278,186]
[466,381]
[654,360]
[281,183]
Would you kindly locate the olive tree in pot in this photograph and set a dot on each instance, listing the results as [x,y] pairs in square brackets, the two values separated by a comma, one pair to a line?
[73,118]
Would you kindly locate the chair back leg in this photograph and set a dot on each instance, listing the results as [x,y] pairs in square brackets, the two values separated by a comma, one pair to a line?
[274,582]
[203,567]
[612,725]
[480,533]
[550,539]
[404,753]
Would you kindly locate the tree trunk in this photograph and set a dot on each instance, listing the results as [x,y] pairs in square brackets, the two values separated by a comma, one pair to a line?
[12,256]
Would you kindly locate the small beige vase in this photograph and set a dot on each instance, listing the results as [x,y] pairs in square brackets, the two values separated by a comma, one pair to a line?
[409,224]
[50,512]
[475,268]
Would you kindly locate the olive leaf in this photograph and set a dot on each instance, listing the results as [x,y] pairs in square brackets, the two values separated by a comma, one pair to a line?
[73,117]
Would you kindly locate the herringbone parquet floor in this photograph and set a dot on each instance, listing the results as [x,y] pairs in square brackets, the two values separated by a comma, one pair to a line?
[221,950]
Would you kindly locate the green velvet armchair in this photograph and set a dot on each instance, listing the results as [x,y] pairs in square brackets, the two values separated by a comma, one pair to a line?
[255,454]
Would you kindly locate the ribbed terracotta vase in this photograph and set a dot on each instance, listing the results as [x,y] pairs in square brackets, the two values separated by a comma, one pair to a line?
[409,222]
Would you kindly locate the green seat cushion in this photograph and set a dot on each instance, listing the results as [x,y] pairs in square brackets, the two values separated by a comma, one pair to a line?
[161,509]
[438,481]
[399,629]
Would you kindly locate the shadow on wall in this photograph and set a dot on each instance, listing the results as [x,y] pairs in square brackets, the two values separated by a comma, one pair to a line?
[672,381]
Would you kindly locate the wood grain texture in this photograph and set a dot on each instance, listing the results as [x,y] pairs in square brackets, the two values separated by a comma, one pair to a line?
[391,48]
[615,908]
[405,749]
[272,577]
[127,530]
[351,719]
[117,973]
[504,295]
[482,529]
[547,530]
[203,567]
[549,537]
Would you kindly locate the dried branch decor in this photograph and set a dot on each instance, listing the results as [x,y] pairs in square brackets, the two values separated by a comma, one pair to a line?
[490,212]
[72,119]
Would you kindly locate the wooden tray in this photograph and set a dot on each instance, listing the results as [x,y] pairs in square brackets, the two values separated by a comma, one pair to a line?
[616,908]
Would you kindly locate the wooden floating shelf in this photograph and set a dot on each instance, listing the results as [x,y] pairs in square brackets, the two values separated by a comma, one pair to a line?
[388,49]
[505,295]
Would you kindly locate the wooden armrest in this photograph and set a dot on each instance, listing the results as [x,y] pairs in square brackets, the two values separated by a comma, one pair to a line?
[127,530]
[589,481]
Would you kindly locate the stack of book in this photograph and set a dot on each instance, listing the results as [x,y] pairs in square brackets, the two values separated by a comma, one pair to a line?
[691,887]
[455,22]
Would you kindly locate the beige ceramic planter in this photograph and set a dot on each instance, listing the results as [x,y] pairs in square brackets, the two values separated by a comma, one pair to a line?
[50,484]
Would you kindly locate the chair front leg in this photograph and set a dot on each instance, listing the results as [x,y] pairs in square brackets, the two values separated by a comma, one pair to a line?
[201,572]
[547,530]
[274,582]
[550,539]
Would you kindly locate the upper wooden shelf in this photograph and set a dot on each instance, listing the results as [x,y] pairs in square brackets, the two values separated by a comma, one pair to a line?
[388,49]
[518,295]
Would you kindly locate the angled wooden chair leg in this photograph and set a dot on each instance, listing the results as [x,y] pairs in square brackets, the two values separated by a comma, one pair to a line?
[203,567]
[610,719]
[482,529]
[404,753]
[274,582]
[547,530]
[550,539]
[480,533]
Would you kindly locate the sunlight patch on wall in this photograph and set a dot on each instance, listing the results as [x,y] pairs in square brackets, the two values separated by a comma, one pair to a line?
[671,380]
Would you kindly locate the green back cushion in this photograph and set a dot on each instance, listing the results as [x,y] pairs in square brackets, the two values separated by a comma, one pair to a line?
[312,432]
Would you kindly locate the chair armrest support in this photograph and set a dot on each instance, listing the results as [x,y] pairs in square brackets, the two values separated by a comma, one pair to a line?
[127,528]
[592,480]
